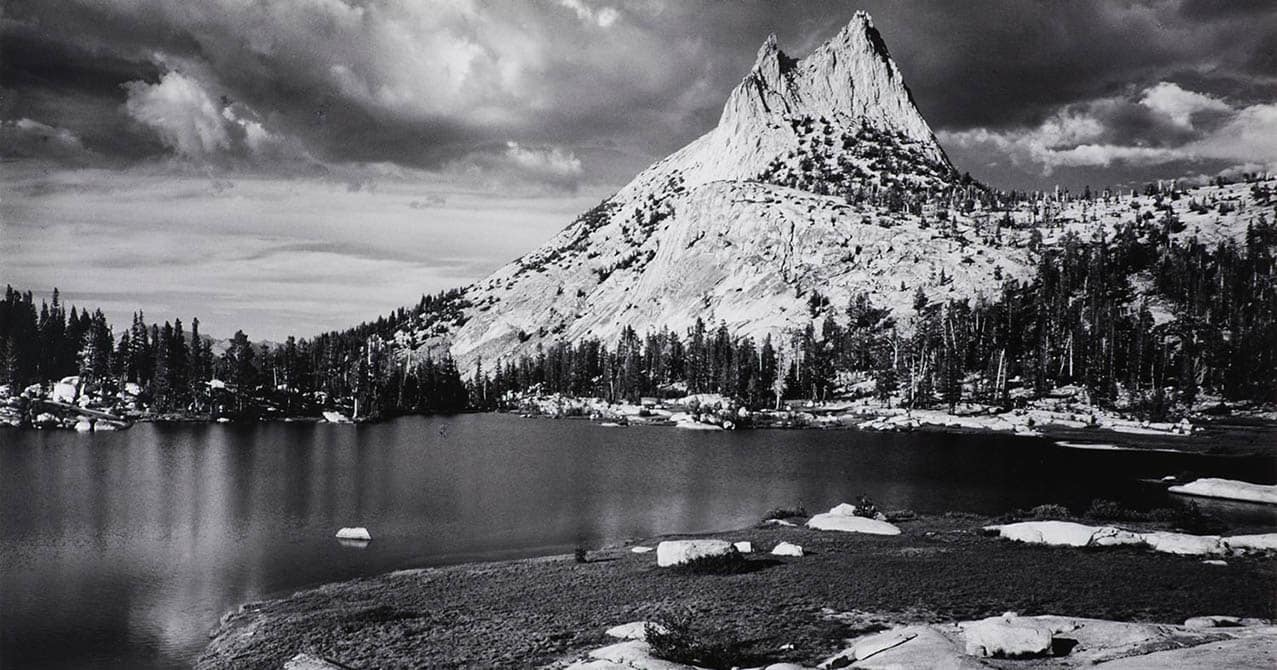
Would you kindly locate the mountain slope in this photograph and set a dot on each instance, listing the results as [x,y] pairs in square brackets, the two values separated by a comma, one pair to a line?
[821,179]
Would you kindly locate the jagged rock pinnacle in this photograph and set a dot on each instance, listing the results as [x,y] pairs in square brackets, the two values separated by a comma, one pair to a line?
[851,76]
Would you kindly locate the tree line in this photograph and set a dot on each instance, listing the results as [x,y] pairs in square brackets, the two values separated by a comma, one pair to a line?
[1197,317]
[174,370]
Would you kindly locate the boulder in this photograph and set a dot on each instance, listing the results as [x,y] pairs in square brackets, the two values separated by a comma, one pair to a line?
[63,392]
[305,661]
[841,518]
[1214,621]
[1109,536]
[1229,489]
[1184,544]
[744,546]
[1007,637]
[631,654]
[635,630]
[1057,533]
[357,533]
[640,549]
[787,549]
[1246,544]
[677,552]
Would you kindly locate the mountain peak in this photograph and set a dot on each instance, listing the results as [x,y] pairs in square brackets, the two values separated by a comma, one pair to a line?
[851,78]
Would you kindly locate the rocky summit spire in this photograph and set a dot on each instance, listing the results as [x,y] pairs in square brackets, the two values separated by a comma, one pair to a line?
[851,78]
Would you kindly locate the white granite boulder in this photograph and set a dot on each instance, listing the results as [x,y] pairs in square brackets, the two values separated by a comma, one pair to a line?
[635,630]
[1056,533]
[1229,489]
[678,552]
[1007,637]
[356,533]
[1185,544]
[787,549]
[744,546]
[1247,544]
[1108,536]
[843,518]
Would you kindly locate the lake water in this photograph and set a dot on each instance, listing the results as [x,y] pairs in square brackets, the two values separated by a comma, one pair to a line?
[122,550]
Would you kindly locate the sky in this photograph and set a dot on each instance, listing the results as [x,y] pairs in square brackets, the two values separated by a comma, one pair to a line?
[294,166]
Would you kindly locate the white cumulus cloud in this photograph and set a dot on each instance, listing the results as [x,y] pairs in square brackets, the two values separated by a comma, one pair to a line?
[1162,124]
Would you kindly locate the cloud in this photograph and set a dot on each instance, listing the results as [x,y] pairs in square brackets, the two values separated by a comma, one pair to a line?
[603,17]
[551,162]
[24,138]
[1180,105]
[186,118]
[183,115]
[425,86]
[1163,124]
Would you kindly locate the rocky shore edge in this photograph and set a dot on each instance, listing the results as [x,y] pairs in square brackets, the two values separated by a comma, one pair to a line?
[800,597]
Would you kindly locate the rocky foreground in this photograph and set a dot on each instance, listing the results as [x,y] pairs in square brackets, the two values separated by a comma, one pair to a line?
[841,591]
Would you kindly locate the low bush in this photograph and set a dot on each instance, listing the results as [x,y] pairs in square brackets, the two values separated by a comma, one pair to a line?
[675,638]
[866,507]
[785,512]
[580,554]
[1108,510]
[1050,512]
[1191,519]
[731,563]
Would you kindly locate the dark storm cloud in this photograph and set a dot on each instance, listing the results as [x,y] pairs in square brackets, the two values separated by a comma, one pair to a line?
[455,86]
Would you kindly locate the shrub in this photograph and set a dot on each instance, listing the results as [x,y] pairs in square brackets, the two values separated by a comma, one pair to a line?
[866,507]
[1191,519]
[676,639]
[1050,512]
[1108,510]
[785,512]
[731,563]
[580,554]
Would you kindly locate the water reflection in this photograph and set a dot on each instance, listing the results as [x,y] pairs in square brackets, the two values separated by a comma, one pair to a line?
[123,549]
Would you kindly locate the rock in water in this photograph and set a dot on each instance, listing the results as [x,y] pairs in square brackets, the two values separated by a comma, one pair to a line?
[678,552]
[1229,489]
[356,533]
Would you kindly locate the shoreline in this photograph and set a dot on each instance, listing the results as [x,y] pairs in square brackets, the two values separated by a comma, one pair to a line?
[1220,436]
[543,610]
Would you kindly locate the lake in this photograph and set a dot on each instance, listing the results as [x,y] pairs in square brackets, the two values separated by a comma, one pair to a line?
[122,550]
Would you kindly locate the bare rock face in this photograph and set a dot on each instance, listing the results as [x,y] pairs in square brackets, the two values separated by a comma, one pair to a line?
[821,175]
[737,225]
